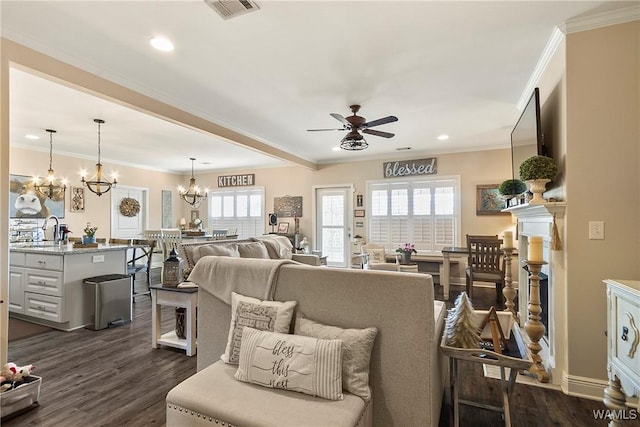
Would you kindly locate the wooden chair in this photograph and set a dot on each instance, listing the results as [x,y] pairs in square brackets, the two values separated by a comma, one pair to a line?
[141,263]
[485,263]
[170,239]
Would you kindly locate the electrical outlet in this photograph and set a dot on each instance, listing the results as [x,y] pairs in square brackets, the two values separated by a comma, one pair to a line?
[596,230]
[97,258]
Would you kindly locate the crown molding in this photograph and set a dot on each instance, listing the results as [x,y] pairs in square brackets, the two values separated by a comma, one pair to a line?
[557,37]
[574,25]
[604,19]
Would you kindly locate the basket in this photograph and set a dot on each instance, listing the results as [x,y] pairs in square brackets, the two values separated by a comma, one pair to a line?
[22,397]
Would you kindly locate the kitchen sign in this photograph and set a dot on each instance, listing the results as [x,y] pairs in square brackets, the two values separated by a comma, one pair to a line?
[410,167]
[237,180]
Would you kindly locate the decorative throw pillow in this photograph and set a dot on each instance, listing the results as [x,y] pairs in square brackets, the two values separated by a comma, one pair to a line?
[215,249]
[376,255]
[253,250]
[274,316]
[356,351]
[291,362]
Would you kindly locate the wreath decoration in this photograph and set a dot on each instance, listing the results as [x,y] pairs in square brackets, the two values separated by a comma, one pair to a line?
[129,207]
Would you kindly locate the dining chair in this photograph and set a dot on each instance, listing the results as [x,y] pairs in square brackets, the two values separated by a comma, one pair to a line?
[485,263]
[141,262]
[170,238]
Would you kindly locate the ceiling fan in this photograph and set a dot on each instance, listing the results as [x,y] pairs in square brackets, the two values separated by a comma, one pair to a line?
[356,124]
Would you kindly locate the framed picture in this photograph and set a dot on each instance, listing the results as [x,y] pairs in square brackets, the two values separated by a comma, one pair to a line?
[39,206]
[283,228]
[358,213]
[489,201]
[76,195]
[288,206]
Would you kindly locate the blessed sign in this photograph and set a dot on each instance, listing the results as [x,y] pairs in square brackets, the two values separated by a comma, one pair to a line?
[410,167]
[236,180]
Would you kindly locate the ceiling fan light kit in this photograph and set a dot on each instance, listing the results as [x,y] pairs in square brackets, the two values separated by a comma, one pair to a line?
[97,184]
[355,124]
[192,195]
[51,186]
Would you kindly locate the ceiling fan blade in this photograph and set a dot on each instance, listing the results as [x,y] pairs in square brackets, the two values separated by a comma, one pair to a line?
[341,119]
[320,130]
[379,122]
[378,133]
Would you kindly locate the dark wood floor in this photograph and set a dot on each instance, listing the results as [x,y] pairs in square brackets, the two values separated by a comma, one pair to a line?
[114,377]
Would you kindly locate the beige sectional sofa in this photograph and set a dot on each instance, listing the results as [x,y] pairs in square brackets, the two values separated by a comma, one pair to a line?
[267,246]
[406,368]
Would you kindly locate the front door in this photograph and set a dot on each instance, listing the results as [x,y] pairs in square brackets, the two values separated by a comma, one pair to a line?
[333,228]
[125,221]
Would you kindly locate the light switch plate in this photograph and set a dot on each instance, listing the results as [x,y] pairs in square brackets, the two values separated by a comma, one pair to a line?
[596,230]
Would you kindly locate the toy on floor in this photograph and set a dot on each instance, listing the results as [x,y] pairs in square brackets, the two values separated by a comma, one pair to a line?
[12,375]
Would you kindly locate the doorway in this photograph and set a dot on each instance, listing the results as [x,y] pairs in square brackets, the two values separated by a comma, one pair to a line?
[333,226]
[128,220]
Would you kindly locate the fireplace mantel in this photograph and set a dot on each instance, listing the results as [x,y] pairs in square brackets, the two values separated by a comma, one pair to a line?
[542,210]
[539,220]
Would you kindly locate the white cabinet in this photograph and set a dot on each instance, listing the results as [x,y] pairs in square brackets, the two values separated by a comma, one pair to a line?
[623,340]
[46,286]
[16,289]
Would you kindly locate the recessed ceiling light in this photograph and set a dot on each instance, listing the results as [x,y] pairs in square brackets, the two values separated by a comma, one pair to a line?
[162,44]
[443,137]
[335,149]
[31,136]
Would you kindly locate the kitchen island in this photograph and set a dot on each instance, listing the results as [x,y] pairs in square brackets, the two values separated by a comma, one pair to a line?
[46,281]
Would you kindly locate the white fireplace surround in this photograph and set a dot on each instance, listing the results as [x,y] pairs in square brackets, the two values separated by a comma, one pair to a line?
[538,220]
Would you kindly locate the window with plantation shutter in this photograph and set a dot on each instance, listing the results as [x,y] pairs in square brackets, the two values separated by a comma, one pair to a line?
[424,212]
[241,210]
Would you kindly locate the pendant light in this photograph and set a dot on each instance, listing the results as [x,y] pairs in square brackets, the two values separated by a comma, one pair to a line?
[194,194]
[98,185]
[50,186]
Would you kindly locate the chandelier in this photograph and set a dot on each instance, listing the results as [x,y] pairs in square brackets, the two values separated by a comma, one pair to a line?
[50,186]
[194,194]
[353,142]
[97,184]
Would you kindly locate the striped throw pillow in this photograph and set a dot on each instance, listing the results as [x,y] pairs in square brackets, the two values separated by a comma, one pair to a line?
[291,362]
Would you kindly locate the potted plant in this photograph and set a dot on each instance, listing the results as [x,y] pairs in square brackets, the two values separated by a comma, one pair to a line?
[537,171]
[405,251]
[512,187]
[89,234]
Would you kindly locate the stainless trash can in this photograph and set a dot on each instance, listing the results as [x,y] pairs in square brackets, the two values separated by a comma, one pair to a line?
[110,295]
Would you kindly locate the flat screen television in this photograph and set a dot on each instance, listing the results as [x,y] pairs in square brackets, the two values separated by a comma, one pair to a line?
[526,137]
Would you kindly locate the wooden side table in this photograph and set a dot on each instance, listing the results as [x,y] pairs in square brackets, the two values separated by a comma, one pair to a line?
[175,297]
[489,358]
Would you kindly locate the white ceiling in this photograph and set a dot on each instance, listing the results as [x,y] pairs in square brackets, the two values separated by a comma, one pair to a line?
[452,67]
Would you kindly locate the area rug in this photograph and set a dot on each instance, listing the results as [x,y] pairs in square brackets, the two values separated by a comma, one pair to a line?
[19,329]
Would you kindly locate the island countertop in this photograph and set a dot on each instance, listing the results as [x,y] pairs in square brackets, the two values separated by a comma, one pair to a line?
[68,249]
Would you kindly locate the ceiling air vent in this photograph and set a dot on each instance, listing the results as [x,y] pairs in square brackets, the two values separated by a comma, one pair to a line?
[231,8]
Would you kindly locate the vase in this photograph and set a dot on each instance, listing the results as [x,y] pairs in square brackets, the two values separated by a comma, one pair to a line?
[405,258]
[87,240]
[180,322]
[537,187]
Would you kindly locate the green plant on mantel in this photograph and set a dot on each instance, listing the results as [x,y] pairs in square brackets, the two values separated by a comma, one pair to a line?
[512,187]
[538,167]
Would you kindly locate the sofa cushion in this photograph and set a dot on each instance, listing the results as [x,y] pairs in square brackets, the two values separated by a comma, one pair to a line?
[253,250]
[356,351]
[291,362]
[215,393]
[230,249]
[273,316]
